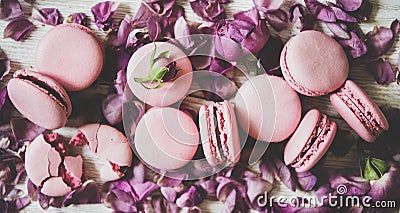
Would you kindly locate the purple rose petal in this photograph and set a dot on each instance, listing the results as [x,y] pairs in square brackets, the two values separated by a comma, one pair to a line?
[386,188]
[133,112]
[350,5]
[88,193]
[296,11]
[379,41]
[112,108]
[11,167]
[321,11]
[338,30]
[49,16]
[382,71]
[103,13]
[182,32]
[355,45]
[278,19]
[154,29]
[169,193]
[78,18]
[284,174]
[268,5]
[120,82]
[256,187]
[121,201]
[173,181]
[145,189]
[208,10]
[343,15]
[210,186]
[355,185]
[17,29]
[194,196]
[4,67]
[25,130]
[160,205]
[218,88]
[306,180]
[31,190]
[10,9]
[395,26]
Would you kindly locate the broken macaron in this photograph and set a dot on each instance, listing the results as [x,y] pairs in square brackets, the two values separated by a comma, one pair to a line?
[110,144]
[49,166]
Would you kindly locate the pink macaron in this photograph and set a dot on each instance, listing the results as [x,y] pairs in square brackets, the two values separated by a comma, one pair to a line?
[40,99]
[110,144]
[164,54]
[71,55]
[313,63]
[310,141]
[359,111]
[49,166]
[267,108]
[219,133]
[166,138]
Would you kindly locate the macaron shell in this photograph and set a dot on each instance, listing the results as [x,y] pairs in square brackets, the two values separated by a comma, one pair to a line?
[166,138]
[170,92]
[118,153]
[206,137]
[90,133]
[108,174]
[108,137]
[268,108]
[54,162]
[74,165]
[301,136]
[55,187]
[327,138]
[348,115]
[315,62]
[71,55]
[37,165]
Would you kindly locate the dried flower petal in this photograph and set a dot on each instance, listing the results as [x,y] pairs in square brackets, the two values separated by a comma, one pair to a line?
[296,11]
[382,71]
[5,106]
[349,5]
[208,10]
[182,32]
[121,201]
[160,205]
[379,41]
[88,193]
[364,12]
[386,188]
[306,180]
[112,108]
[355,185]
[278,19]
[78,18]
[343,15]
[218,88]
[395,26]
[10,9]
[103,13]
[321,11]
[4,67]
[338,30]
[268,5]
[355,45]
[17,29]
[24,130]
[11,167]
[193,197]
[308,22]
[256,187]
[49,16]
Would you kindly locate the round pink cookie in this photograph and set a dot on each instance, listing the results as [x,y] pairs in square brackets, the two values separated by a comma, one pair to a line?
[314,64]
[171,91]
[166,138]
[268,108]
[310,141]
[359,111]
[40,99]
[71,55]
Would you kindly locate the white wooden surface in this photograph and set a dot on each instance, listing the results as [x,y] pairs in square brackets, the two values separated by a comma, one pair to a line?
[21,55]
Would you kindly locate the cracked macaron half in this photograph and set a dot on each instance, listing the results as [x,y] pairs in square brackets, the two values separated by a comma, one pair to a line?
[40,99]
[110,144]
[310,141]
[49,166]
[219,133]
[359,111]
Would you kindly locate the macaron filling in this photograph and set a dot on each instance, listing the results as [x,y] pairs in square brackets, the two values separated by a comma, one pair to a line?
[43,86]
[314,143]
[292,81]
[217,132]
[359,109]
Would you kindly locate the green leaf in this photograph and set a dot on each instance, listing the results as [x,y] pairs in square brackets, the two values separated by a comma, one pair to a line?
[142,80]
[369,172]
[152,56]
[380,166]
[164,54]
[160,74]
